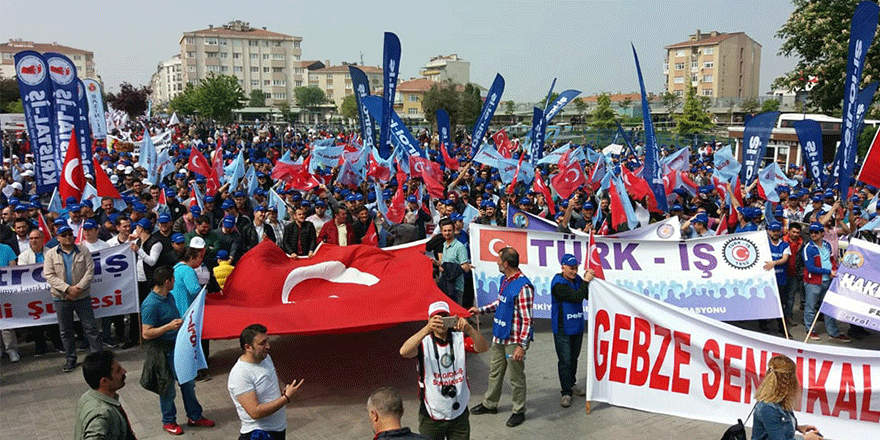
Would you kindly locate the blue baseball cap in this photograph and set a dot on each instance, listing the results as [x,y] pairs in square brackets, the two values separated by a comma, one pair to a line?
[90,224]
[195,210]
[774,226]
[222,254]
[320,204]
[145,223]
[412,199]
[228,204]
[178,238]
[358,196]
[140,207]
[208,199]
[351,198]
[817,198]
[228,222]
[64,228]
[588,205]
[701,218]
[164,218]
[676,207]
[73,207]
[569,260]
[525,201]
[778,212]
[259,208]
[816,227]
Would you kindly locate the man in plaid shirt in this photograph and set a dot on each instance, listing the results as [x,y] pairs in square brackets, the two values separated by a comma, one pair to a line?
[511,334]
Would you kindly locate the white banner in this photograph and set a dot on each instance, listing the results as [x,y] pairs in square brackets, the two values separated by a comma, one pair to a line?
[25,300]
[719,277]
[96,108]
[647,355]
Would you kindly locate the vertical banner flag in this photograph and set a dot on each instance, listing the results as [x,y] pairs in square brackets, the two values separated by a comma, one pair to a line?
[755,137]
[35,88]
[863,102]
[391,67]
[149,158]
[62,74]
[864,25]
[653,172]
[493,97]
[561,101]
[539,127]
[83,129]
[96,108]
[398,134]
[361,90]
[188,355]
[809,134]
[443,130]
[870,172]
[549,94]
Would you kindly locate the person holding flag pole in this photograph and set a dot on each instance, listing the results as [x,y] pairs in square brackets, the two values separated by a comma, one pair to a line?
[568,292]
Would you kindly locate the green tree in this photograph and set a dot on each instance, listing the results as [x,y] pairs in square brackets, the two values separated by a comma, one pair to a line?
[258,99]
[470,105]
[9,95]
[750,105]
[817,34]
[770,105]
[671,101]
[865,139]
[446,96]
[509,108]
[130,99]
[349,108]
[217,96]
[693,119]
[309,97]
[286,114]
[625,103]
[603,116]
[185,103]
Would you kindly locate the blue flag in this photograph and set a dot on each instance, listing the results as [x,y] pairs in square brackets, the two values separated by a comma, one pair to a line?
[391,68]
[276,201]
[443,130]
[561,101]
[361,90]
[493,97]
[235,171]
[380,200]
[549,94]
[864,25]
[400,136]
[809,134]
[164,164]
[863,102]
[189,357]
[62,74]
[726,165]
[539,128]
[653,171]
[755,137]
[55,202]
[148,157]
[83,130]
[517,218]
[251,179]
[35,88]
[325,154]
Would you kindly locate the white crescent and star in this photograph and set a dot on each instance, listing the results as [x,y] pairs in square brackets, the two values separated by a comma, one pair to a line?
[492,244]
[577,174]
[68,173]
[332,271]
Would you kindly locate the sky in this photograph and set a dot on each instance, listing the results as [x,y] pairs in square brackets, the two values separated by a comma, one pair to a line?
[584,44]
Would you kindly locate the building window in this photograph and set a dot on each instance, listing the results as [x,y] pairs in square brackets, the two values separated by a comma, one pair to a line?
[253,43]
[694,64]
[296,44]
[266,82]
[189,40]
[190,54]
[278,56]
[296,57]
[237,69]
[77,57]
[191,68]
[665,67]
[267,95]
[211,54]
[211,41]
[221,41]
[224,54]
[679,53]
[265,44]
[276,43]
[265,56]
[679,80]
[708,64]
[236,55]
[707,78]
[224,68]
[707,92]
[277,70]
[255,69]
[413,111]
[8,55]
[265,70]
[255,56]
[329,76]
[212,68]
[297,70]
[679,66]
[279,96]
[413,98]
[279,83]
[298,83]
[708,50]
[255,83]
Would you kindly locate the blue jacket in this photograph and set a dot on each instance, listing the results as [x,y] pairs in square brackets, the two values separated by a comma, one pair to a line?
[814,271]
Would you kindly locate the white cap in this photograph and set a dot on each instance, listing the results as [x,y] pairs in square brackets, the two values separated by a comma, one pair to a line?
[27,173]
[129,170]
[197,243]
[435,307]
[16,185]
[120,167]
[114,179]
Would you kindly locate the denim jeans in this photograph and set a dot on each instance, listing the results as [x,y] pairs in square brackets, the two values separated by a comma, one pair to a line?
[813,294]
[568,349]
[795,287]
[83,307]
[187,391]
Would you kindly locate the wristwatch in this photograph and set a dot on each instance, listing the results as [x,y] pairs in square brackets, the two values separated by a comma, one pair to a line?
[524,346]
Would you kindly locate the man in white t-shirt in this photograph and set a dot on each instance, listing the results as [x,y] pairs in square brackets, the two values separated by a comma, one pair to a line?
[253,386]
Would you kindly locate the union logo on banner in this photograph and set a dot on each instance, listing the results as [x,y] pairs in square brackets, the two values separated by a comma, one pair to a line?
[665,231]
[740,253]
[60,70]
[492,241]
[92,87]
[30,70]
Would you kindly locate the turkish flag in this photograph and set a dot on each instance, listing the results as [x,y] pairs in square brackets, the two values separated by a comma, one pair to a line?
[593,260]
[431,174]
[870,172]
[44,228]
[569,178]
[398,204]
[618,215]
[341,289]
[103,184]
[73,180]
[383,174]
[449,161]
[722,226]
[198,164]
[603,230]
[502,143]
[638,188]
[371,237]
[162,200]
[217,162]
[539,186]
[512,186]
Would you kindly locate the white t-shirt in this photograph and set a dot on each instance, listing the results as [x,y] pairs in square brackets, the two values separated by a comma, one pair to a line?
[262,378]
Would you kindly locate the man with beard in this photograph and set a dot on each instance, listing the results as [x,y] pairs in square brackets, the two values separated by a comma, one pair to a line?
[98,412]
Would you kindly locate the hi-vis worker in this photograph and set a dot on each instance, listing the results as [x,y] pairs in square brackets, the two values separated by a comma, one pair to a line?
[443,386]
[569,291]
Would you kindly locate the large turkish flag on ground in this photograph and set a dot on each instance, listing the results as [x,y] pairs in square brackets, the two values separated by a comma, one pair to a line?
[341,289]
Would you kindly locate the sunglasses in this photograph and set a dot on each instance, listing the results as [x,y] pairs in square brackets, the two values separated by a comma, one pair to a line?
[66,234]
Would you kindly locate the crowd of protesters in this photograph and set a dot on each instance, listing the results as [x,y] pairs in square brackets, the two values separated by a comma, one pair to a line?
[199,244]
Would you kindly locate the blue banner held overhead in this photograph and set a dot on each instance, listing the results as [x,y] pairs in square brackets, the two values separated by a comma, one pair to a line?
[149,158]
[564,98]
[809,134]
[549,94]
[390,71]
[83,129]
[863,27]
[62,74]
[863,103]
[35,88]
[399,136]
[756,134]
[444,132]
[493,97]
[539,129]
[361,90]
[653,171]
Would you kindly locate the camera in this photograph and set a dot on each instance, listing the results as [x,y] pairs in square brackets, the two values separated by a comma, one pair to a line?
[448,391]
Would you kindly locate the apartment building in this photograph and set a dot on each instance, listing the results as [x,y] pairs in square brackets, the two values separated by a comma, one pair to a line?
[719,65]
